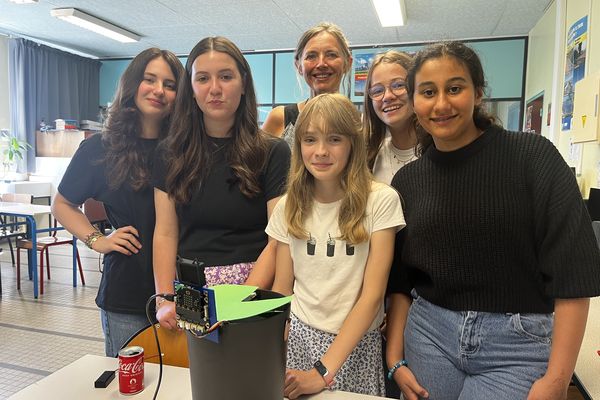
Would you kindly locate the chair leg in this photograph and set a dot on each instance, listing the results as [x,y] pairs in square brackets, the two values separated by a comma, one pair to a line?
[12,253]
[80,269]
[47,249]
[18,269]
[41,272]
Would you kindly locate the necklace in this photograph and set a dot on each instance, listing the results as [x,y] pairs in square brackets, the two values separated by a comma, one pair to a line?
[398,158]
[218,145]
[217,148]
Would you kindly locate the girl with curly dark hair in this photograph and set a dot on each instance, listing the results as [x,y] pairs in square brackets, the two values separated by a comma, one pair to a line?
[114,167]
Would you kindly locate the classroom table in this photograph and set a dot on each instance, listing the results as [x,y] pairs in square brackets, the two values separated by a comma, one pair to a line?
[587,369]
[76,381]
[29,212]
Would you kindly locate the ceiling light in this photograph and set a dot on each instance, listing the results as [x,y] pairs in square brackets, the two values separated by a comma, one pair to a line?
[23,1]
[390,12]
[94,24]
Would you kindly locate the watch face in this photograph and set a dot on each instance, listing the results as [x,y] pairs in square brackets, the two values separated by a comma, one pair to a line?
[321,368]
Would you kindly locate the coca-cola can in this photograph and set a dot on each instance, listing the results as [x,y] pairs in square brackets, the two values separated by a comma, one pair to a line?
[131,370]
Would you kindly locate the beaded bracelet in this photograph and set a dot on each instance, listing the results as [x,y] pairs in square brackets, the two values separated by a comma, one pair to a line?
[91,238]
[401,363]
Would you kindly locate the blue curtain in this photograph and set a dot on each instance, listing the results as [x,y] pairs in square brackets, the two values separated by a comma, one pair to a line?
[47,84]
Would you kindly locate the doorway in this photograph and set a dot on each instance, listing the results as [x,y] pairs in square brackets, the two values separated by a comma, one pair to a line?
[533,114]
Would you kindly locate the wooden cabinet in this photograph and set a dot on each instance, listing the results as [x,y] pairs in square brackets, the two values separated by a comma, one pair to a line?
[584,124]
[58,143]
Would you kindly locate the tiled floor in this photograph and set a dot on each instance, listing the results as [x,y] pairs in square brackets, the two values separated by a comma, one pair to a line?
[38,337]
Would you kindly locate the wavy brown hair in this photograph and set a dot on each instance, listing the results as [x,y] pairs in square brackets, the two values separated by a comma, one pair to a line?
[373,127]
[467,57]
[122,127]
[334,113]
[188,154]
[343,45]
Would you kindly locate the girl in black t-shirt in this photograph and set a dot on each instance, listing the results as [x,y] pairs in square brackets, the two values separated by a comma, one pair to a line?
[114,168]
[219,177]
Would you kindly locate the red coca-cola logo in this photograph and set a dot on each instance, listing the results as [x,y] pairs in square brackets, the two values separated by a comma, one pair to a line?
[134,367]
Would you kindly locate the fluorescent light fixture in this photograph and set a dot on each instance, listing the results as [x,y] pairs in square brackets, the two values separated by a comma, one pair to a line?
[94,24]
[390,12]
[23,1]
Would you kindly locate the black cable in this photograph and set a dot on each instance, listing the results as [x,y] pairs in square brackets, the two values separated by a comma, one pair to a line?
[168,297]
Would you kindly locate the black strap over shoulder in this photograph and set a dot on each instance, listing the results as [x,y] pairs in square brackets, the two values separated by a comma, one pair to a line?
[290,114]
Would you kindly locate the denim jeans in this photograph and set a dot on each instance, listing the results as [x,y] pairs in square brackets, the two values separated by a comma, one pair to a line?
[476,355]
[118,328]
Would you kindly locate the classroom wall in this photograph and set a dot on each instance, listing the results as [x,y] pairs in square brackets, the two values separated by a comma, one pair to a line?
[277,82]
[540,57]
[591,151]
[540,79]
[4,103]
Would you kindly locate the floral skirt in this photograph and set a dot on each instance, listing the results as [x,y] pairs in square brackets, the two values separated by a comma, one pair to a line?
[361,373]
[235,274]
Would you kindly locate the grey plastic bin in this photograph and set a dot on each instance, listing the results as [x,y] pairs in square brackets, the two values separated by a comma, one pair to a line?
[247,363]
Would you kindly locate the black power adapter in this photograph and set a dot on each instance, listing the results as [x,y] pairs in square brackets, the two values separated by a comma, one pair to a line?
[105,379]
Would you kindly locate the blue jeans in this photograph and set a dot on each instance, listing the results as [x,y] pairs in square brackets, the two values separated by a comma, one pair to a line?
[118,328]
[476,355]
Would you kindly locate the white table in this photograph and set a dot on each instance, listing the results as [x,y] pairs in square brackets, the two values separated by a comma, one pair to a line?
[587,369]
[76,382]
[36,189]
[29,212]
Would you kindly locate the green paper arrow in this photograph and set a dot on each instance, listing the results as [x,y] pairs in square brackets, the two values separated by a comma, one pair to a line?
[230,306]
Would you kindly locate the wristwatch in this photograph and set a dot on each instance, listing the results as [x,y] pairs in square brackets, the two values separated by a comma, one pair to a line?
[322,370]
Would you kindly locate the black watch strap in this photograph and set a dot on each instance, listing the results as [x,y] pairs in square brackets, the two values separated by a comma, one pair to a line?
[321,369]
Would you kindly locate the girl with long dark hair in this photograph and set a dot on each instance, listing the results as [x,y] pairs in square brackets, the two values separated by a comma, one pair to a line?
[219,177]
[115,168]
[498,249]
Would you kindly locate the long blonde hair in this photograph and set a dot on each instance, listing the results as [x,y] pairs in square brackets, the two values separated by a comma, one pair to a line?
[337,114]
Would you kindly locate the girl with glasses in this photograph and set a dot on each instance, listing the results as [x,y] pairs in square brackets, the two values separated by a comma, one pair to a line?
[389,120]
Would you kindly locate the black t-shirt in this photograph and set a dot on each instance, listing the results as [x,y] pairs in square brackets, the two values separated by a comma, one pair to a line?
[221,226]
[127,281]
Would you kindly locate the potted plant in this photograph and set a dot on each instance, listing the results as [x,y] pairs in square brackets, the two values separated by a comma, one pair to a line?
[12,151]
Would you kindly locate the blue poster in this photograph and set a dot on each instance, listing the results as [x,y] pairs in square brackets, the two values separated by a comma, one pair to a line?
[362,62]
[574,67]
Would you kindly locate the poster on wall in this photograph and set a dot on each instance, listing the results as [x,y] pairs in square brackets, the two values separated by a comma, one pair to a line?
[576,157]
[362,62]
[574,67]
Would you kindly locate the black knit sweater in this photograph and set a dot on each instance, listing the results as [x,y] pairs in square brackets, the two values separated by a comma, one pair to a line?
[498,225]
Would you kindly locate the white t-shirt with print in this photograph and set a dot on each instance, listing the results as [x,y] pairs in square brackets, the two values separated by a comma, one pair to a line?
[328,272]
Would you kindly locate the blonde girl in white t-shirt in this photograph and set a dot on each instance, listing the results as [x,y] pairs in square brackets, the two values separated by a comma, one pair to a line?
[336,228]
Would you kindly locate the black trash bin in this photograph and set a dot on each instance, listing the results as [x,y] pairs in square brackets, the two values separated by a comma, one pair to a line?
[248,362]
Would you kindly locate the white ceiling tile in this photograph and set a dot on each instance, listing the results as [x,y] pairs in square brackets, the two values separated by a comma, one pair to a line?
[178,25]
